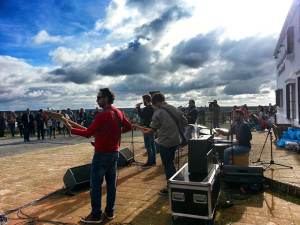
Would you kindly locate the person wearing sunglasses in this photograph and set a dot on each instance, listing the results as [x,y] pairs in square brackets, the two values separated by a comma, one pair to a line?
[107,128]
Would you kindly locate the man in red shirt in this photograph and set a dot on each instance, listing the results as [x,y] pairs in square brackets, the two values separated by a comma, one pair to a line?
[107,128]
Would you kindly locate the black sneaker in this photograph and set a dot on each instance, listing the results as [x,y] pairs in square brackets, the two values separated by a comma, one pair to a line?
[146,165]
[163,191]
[108,215]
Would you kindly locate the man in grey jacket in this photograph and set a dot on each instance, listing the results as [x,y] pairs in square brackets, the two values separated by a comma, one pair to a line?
[168,136]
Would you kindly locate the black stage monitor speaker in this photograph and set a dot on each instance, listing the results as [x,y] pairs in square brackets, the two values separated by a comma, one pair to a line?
[125,157]
[77,177]
[244,174]
[200,155]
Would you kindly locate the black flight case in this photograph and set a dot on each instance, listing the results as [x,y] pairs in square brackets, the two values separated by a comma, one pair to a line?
[194,195]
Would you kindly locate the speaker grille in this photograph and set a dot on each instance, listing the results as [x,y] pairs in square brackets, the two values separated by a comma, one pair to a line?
[124,157]
[77,177]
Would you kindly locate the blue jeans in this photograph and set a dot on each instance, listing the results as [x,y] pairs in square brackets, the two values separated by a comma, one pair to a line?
[188,132]
[103,165]
[216,121]
[150,146]
[236,150]
[167,155]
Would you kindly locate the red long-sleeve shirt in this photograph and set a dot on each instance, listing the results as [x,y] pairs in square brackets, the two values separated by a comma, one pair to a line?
[105,128]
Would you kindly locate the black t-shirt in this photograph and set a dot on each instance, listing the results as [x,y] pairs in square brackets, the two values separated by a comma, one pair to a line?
[243,133]
[146,114]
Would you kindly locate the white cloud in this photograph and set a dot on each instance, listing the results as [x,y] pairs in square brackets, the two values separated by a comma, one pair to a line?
[176,55]
[44,37]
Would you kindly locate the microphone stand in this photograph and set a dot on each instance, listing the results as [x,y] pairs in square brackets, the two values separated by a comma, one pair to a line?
[272,160]
[132,160]
[258,160]
[132,142]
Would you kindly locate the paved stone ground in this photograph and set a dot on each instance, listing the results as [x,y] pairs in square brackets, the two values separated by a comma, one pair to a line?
[32,175]
[16,145]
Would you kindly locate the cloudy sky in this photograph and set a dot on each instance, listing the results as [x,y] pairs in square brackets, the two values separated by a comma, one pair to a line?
[58,53]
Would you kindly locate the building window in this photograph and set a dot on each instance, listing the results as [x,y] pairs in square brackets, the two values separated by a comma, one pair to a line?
[290,101]
[290,40]
[279,98]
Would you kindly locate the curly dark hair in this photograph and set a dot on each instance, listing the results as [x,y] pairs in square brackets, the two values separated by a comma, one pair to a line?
[107,92]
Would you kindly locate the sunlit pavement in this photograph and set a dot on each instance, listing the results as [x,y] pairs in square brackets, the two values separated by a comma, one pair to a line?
[33,175]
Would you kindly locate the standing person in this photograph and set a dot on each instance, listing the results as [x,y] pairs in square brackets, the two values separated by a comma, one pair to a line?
[3,121]
[168,136]
[270,110]
[215,108]
[243,136]
[27,120]
[20,124]
[32,126]
[107,128]
[12,122]
[90,118]
[245,112]
[62,123]
[191,116]
[70,114]
[40,124]
[52,123]
[82,117]
[146,115]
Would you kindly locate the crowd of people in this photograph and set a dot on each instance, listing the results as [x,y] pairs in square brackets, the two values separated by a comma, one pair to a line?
[41,126]
[31,124]
[263,118]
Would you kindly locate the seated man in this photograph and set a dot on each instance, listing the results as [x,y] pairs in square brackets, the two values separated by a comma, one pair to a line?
[243,136]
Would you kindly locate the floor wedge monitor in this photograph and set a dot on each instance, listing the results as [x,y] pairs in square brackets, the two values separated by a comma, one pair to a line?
[77,177]
[125,157]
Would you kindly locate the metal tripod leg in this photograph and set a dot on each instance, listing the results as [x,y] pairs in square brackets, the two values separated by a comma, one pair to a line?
[258,160]
[272,161]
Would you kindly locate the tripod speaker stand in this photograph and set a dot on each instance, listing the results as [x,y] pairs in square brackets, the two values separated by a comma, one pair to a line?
[272,160]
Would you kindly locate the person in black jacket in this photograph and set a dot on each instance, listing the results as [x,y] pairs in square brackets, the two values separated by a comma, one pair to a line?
[27,120]
[40,123]
[146,115]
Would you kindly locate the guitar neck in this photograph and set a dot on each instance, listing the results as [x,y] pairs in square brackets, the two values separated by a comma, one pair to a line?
[137,126]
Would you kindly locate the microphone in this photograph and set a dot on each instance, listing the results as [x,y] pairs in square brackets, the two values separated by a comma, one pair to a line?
[138,104]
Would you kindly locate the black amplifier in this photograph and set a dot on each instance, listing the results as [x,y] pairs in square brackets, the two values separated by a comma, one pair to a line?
[192,195]
[200,155]
[244,174]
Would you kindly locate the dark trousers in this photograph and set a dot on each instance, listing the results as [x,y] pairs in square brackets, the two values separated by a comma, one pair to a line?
[40,130]
[167,155]
[1,132]
[26,133]
[21,129]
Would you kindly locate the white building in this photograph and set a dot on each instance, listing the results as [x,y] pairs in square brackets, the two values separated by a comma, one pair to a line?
[287,55]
